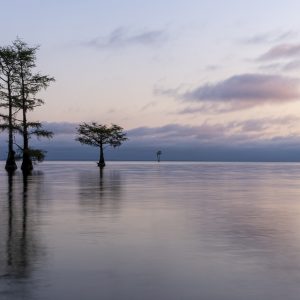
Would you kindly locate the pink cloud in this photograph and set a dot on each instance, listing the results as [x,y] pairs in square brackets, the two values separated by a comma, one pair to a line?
[246,90]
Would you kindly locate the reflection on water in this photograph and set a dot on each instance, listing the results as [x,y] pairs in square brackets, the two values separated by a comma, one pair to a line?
[151,231]
[20,250]
[100,190]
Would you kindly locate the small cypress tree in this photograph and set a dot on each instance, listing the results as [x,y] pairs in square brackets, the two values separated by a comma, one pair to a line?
[99,135]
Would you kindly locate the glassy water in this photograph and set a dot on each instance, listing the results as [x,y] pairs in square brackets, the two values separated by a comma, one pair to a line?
[151,231]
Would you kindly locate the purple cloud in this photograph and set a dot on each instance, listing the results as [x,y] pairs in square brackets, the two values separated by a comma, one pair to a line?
[170,134]
[281,52]
[232,133]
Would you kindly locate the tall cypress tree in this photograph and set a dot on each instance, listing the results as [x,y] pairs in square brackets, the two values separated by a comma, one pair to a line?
[29,84]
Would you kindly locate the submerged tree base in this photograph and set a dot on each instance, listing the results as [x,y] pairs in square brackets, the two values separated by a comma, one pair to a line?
[11,165]
[101,164]
[27,165]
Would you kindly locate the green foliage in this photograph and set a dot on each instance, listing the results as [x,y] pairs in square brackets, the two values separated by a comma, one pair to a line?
[98,135]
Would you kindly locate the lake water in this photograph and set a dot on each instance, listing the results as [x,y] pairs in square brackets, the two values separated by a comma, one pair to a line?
[142,231]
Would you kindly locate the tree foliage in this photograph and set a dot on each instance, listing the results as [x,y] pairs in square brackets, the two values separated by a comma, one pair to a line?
[97,134]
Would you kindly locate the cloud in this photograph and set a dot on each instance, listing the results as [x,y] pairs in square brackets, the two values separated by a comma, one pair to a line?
[149,105]
[238,92]
[172,132]
[59,128]
[175,134]
[242,131]
[121,37]
[270,67]
[247,90]
[217,107]
[268,125]
[212,67]
[292,65]
[282,51]
[194,110]
[206,132]
[270,37]
[160,91]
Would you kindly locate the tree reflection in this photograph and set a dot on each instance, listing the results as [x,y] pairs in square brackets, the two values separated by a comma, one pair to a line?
[10,219]
[20,248]
[102,189]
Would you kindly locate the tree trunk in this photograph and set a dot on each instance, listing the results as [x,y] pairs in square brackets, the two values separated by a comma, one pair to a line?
[27,165]
[101,163]
[10,165]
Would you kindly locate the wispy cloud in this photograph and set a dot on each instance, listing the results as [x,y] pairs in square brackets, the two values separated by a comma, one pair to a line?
[212,67]
[171,92]
[216,107]
[270,67]
[283,51]
[270,37]
[149,105]
[292,65]
[122,37]
[289,66]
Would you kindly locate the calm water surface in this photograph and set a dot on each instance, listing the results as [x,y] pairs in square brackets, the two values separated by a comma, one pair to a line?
[227,231]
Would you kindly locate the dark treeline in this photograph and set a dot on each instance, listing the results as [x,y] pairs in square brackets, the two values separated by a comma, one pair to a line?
[19,86]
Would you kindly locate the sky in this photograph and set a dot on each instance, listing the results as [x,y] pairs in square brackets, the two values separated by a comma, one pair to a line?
[199,80]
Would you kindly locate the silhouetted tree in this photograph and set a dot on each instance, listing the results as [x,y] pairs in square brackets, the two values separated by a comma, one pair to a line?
[19,86]
[29,84]
[99,135]
[158,154]
[8,97]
